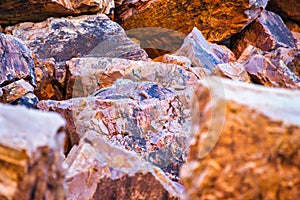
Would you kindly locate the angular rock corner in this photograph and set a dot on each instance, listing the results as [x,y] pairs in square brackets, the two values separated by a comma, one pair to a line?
[254,153]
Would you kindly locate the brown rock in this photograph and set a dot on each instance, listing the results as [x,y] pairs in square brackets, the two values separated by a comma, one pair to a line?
[16,90]
[267,33]
[31,156]
[286,9]
[15,61]
[11,12]
[65,38]
[143,117]
[296,35]
[98,169]
[263,71]
[234,71]
[256,152]
[216,19]
[294,27]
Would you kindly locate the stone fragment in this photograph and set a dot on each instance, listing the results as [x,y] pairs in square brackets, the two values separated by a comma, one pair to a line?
[10,12]
[177,60]
[216,19]
[263,71]
[199,51]
[234,71]
[98,169]
[16,90]
[65,38]
[293,27]
[29,100]
[16,61]
[144,117]
[31,154]
[256,152]
[87,75]
[286,9]
[267,33]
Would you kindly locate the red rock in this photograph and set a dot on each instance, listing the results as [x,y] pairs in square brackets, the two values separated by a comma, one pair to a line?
[10,12]
[31,152]
[98,169]
[65,38]
[267,33]
[16,61]
[254,130]
[216,19]
[15,90]
[286,9]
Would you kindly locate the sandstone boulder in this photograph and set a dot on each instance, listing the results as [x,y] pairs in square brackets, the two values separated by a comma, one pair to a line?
[256,152]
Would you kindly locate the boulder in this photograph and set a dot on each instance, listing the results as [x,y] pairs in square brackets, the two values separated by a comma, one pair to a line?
[31,154]
[286,9]
[245,142]
[65,38]
[216,19]
[232,70]
[267,33]
[40,10]
[98,169]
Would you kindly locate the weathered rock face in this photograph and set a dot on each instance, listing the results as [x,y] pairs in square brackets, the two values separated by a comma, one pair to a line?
[15,61]
[31,156]
[15,90]
[267,32]
[216,19]
[234,71]
[98,169]
[40,10]
[65,38]
[257,153]
[286,9]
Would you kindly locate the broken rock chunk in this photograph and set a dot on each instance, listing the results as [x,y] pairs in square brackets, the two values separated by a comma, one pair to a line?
[65,38]
[254,154]
[31,154]
[98,169]
[286,9]
[15,90]
[234,71]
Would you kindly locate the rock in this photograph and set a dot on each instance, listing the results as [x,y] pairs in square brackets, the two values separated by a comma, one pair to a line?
[40,10]
[98,169]
[256,152]
[29,100]
[31,154]
[177,60]
[217,20]
[286,9]
[16,61]
[144,117]
[267,33]
[263,71]
[87,75]
[293,27]
[199,51]
[16,90]
[234,71]
[296,35]
[65,38]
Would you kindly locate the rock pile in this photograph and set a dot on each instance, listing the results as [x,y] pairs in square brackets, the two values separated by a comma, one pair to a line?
[172,100]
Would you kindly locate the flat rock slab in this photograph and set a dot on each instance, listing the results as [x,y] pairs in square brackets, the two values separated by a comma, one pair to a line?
[65,38]
[216,19]
[254,153]
[31,154]
[40,10]
[98,169]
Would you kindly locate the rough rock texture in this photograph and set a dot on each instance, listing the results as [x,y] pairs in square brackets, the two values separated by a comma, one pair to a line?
[257,153]
[12,12]
[15,90]
[286,9]
[15,61]
[143,117]
[31,148]
[65,38]
[87,75]
[267,32]
[263,71]
[234,71]
[98,169]
[216,19]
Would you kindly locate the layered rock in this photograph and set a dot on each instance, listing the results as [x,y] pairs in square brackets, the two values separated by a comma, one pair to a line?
[267,33]
[98,169]
[40,10]
[31,153]
[256,152]
[216,19]
[65,38]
